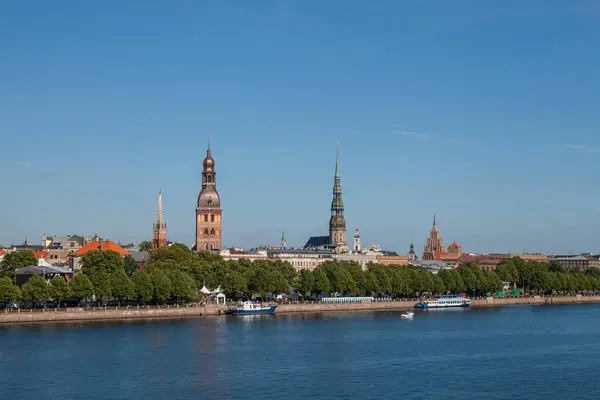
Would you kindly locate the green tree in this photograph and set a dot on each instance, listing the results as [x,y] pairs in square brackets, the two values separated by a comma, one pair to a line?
[258,281]
[9,291]
[320,281]
[144,291]
[59,289]
[235,283]
[145,246]
[278,284]
[180,285]
[161,285]
[97,260]
[81,287]
[15,260]
[101,281]
[507,271]
[371,284]
[305,282]
[35,289]
[121,286]
[129,265]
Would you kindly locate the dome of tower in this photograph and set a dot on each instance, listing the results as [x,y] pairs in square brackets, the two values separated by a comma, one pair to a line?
[209,163]
[209,197]
[337,221]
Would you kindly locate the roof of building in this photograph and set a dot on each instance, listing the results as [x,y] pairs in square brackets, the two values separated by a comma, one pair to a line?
[2,252]
[317,241]
[37,270]
[40,254]
[300,251]
[389,253]
[101,245]
[454,244]
[570,258]
[139,256]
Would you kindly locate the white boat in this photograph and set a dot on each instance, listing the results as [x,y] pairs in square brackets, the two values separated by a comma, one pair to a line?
[407,315]
[444,302]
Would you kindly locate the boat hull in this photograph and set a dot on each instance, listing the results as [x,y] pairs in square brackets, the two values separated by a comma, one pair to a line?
[427,306]
[265,310]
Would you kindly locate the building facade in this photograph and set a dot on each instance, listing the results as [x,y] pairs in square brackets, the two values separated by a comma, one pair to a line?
[159,228]
[209,233]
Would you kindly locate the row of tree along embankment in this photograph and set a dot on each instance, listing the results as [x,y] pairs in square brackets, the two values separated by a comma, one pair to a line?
[192,310]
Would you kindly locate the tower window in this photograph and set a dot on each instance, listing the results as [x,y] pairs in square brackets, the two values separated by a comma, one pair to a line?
[212,232]
[209,177]
[206,246]
[205,231]
[205,217]
[212,218]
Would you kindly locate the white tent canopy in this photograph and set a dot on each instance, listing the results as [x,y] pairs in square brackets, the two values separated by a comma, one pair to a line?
[205,290]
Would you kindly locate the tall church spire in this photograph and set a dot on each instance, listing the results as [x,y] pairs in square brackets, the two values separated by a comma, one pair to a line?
[283,241]
[337,222]
[159,229]
[208,208]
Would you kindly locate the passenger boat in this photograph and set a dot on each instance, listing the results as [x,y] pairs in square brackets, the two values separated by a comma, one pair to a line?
[407,315]
[444,302]
[251,308]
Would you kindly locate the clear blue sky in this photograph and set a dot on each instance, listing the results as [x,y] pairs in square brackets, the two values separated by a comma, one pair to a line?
[482,112]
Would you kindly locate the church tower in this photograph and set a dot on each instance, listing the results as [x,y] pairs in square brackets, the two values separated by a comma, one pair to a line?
[283,241]
[434,244]
[208,208]
[412,255]
[356,241]
[159,228]
[337,222]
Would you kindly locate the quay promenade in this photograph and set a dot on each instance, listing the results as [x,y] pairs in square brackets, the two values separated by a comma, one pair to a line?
[193,310]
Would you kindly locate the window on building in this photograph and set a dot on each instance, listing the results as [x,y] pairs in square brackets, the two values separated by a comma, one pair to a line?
[212,218]
[205,231]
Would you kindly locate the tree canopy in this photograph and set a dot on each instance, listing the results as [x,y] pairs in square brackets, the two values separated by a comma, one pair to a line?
[15,260]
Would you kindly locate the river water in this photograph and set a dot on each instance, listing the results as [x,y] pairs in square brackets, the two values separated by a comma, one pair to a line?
[527,352]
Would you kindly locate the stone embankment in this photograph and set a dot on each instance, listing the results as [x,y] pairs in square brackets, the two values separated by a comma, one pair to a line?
[108,313]
[113,313]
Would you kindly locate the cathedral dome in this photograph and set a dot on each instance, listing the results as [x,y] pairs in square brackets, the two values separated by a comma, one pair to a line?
[209,198]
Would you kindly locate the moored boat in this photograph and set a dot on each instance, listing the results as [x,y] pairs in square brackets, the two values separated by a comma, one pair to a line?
[444,302]
[251,308]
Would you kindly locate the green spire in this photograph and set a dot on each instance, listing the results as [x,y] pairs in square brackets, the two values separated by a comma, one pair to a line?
[337,161]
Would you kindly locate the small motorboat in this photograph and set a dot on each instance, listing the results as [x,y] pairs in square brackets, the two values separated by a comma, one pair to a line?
[407,315]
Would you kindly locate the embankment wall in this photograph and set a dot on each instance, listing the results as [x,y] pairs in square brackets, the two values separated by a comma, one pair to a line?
[81,314]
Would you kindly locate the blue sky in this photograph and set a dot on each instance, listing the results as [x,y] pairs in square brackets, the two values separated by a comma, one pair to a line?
[484,113]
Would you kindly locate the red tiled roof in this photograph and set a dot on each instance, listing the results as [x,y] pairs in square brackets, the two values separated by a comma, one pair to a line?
[101,245]
[454,244]
[40,254]
[2,252]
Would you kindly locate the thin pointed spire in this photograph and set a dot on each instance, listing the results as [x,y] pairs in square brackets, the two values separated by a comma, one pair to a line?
[337,160]
[159,219]
[433,219]
[208,151]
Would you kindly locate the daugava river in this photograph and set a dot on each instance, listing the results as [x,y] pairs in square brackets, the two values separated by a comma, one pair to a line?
[525,352]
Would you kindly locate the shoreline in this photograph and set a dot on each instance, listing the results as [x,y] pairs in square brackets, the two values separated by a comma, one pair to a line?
[190,311]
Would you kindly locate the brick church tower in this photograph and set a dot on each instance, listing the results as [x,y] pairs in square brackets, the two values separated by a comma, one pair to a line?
[208,209]
[159,228]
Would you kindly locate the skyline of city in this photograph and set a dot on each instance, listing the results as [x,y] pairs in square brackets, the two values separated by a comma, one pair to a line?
[481,114]
[160,224]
